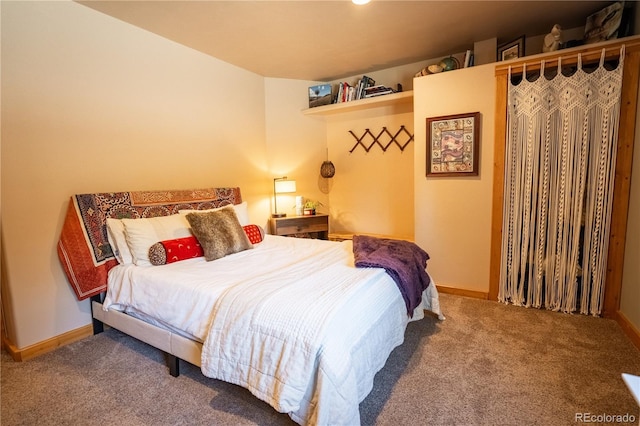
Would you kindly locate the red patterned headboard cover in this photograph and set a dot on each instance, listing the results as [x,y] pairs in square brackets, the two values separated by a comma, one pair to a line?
[83,248]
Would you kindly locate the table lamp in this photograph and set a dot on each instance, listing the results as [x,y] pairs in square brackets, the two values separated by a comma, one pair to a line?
[281,186]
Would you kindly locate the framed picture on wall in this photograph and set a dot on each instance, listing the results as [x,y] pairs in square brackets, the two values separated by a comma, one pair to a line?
[604,24]
[453,143]
[512,50]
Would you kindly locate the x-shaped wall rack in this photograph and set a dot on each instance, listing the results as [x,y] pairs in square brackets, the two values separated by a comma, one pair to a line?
[376,139]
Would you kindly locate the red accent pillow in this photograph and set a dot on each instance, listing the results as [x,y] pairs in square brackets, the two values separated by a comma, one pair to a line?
[170,251]
[255,233]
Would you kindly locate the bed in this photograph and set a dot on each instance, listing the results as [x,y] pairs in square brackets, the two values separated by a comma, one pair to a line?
[292,320]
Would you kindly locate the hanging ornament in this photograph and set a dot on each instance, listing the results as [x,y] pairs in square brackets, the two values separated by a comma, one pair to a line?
[327,169]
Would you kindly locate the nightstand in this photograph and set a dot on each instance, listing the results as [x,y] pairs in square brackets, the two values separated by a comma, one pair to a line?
[313,226]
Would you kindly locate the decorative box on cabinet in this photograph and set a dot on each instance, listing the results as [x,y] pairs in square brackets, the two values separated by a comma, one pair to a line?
[313,226]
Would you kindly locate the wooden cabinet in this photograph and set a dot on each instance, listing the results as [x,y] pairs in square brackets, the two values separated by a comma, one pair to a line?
[315,226]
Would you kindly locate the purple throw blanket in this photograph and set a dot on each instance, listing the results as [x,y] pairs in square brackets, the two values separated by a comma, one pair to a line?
[404,261]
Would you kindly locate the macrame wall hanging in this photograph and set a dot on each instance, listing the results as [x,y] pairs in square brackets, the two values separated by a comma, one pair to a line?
[560,157]
[377,139]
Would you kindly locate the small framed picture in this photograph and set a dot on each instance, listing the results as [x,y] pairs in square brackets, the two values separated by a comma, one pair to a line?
[319,95]
[453,145]
[604,24]
[512,50]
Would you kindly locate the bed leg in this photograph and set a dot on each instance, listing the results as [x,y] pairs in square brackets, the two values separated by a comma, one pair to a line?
[98,326]
[174,365]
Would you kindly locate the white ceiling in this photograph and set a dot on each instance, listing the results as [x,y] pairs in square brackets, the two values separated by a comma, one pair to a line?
[330,39]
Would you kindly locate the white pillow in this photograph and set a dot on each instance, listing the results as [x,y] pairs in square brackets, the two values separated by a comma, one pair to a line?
[240,209]
[118,241]
[141,234]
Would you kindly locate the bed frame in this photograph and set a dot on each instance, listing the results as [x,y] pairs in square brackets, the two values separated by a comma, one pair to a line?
[175,346]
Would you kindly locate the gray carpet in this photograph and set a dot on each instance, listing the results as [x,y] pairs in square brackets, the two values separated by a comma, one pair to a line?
[486,364]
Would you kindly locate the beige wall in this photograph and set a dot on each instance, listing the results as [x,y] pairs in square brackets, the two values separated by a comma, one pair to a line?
[296,146]
[453,214]
[92,104]
[372,192]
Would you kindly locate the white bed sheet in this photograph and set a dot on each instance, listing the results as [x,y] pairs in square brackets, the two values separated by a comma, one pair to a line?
[292,320]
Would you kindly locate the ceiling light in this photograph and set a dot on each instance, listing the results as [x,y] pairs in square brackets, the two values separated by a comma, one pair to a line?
[360,2]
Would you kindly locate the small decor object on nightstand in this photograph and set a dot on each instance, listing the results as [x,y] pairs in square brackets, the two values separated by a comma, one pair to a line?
[299,205]
[310,207]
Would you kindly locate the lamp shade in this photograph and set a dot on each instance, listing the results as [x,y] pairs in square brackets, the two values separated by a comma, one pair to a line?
[285,186]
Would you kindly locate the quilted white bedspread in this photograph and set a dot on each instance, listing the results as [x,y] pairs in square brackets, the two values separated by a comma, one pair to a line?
[292,320]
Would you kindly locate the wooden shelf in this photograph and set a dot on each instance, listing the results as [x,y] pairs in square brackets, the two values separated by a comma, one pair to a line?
[362,104]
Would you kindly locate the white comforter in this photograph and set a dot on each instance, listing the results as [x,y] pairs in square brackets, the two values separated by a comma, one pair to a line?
[292,320]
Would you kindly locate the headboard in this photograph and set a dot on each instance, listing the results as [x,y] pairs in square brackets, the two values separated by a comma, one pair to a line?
[83,248]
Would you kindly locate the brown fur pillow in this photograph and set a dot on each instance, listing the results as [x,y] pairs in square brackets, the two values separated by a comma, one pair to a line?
[219,233]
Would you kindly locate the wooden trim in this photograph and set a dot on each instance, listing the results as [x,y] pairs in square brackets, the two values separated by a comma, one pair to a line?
[499,145]
[49,344]
[589,53]
[622,184]
[11,349]
[2,332]
[626,138]
[629,329]
[462,292]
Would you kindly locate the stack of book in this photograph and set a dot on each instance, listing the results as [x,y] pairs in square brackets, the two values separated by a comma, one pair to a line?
[372,91]
[347,92]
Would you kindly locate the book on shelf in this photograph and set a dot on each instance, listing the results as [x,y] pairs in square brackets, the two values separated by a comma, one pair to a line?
[378,90]
[342,94]
[345,92]
[365,82]
[468,59]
